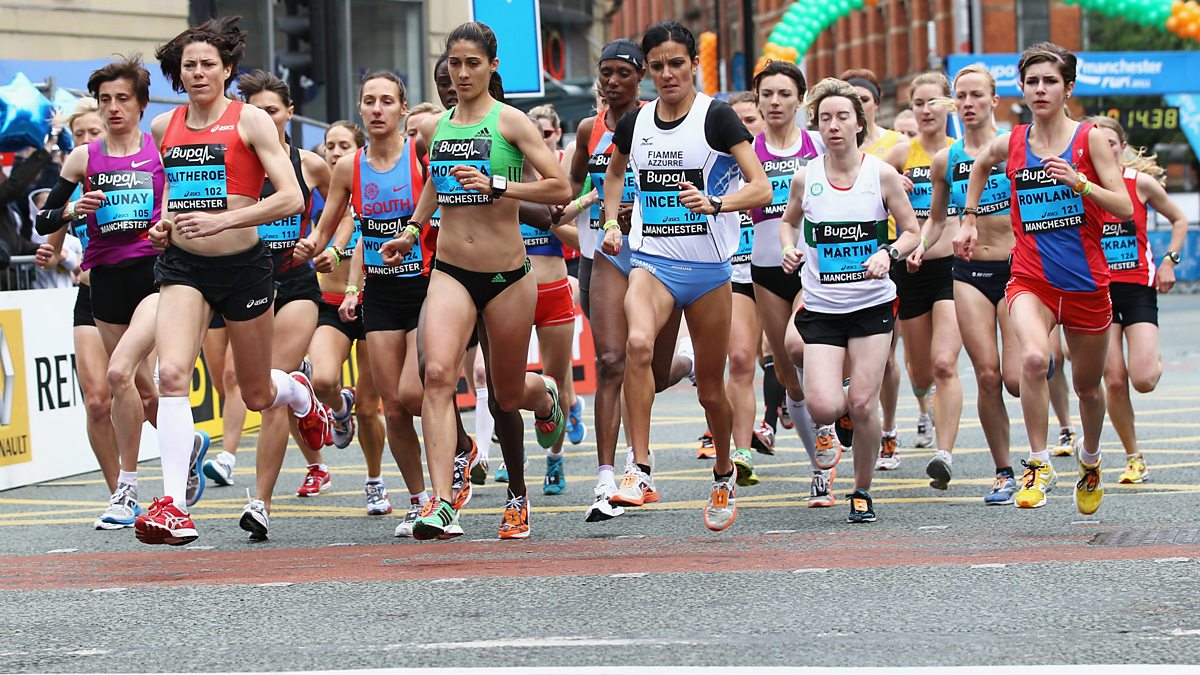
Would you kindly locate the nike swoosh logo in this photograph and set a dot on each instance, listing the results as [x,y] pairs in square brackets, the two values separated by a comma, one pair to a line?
[400,188]
[141,163]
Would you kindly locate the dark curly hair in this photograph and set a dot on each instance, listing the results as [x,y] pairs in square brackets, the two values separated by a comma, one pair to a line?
[222,33]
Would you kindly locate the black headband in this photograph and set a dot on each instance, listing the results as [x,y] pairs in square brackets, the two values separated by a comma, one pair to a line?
[865,84]
[624,50]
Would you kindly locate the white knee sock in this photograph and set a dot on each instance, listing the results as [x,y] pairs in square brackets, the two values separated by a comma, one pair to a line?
[484,424]
[804,428]
[291,393]
[176,432]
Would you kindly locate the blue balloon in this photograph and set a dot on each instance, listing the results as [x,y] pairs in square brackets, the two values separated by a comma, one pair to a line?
[64,103]
[25,115]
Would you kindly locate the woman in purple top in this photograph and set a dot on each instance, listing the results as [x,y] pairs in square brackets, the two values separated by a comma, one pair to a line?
[121,177]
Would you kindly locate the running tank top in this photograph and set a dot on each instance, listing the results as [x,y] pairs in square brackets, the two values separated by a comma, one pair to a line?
[204,167]
[281,236]
[1126,247]
[780,166]
[886,142]
[384,203]
[1058,233]
[133,188]
[917,168]
[842,228]
[599,149]
[996,196]
[479,145]
[663,158]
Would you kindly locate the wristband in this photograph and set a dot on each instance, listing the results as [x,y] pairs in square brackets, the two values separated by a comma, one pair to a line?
[787,248]
[609,224]
[970,210]
[351,288]
[413,230]
[579,205]
[70,211]
[924,241]
[1087,189]
[337,256]
[1082,184]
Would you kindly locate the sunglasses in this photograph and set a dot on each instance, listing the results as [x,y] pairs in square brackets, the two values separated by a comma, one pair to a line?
[548,133]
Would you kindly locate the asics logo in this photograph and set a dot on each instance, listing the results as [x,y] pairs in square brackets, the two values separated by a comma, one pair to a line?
[221,127]
[256,303]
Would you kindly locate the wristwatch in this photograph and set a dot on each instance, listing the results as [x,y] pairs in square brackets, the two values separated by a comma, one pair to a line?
[716,202]
[892,251]
[1173,256]
[499,186]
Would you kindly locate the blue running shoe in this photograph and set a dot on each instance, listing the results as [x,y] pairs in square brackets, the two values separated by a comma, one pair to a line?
[576,429]
[195,482]
[556,479]
[502,473]
[1003,490]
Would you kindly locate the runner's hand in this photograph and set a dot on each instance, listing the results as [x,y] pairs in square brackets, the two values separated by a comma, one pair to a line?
[964,240]
[89,203]
[916,258]
[1164,278]
[160,235]
[323,262]
[1060,170]
[694,200]
[792,260]
[46,257]
[878,265]
[908,184]
[612,241]
[394,250]
[304,250]
[472,179]
[348,310]
[198,224]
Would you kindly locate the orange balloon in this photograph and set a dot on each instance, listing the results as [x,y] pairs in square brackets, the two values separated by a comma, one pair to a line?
[1172,24]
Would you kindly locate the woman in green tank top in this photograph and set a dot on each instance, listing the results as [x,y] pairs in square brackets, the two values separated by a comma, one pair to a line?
[476,154]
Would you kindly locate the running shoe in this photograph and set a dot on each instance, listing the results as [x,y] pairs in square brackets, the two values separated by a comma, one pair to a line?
[515,524]
[1089,489]
[437,520]
[315,427]
[1135,470]
[220,470]
[707,450]
[460,484]
[785,417]
[629,458]
[820,494]
[764,439]
[195,481]
[405,528]
[939,470]
[862,510]
[378,503]
[479,472]
[845,431]
[685,349]
[602,508]
[1065,445]
[828,452]
[1003,489]
[123,509]
[306,368]
[1036,481]
[556,480]
[721,509]
[636,489]
[316,480]
[889,453]
[924,427]
[576,428]
[502,472]
[255,519]
[165,523]
[343,427]
[549,429]
[745,467]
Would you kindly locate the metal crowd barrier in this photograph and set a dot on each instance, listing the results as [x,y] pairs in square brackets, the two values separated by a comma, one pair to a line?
[19,275]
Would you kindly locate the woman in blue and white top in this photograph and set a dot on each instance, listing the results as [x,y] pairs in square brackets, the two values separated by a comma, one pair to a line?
[686,150]
[842,200]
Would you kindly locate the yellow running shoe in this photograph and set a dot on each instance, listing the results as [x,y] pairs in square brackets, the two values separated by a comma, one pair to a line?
[1089,490]
[1037,480]
[1135,470]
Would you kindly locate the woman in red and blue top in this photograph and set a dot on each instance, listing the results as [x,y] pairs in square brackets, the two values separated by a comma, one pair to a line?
[1064,182]
[1136,282]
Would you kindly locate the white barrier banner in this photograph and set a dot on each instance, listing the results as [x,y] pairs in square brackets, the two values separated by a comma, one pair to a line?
[43,418]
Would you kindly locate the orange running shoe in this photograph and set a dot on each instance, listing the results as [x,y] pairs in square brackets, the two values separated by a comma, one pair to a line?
[707,450]
[516,518]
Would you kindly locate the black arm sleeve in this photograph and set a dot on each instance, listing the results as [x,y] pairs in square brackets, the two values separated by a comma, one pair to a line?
[50,218]
[623,136]
[723,128]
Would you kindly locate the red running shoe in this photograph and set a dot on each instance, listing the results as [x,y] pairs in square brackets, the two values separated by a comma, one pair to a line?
[313,482]
[316,428]
[165,523]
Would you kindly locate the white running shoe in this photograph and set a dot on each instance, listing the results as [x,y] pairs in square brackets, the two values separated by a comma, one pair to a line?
[405,528]
[123,509]
[255,519]
[220,470]
[377,500]
[637,488]
[344,426]
[629,459]
[602,509]
[939,470]
[721,509]
[924,431]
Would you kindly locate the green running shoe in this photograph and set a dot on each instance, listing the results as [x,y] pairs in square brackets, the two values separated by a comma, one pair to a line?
[745,468]
[550,429]
[437,520]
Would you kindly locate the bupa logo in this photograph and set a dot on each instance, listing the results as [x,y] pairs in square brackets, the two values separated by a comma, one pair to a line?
[14,406]
[1006,75]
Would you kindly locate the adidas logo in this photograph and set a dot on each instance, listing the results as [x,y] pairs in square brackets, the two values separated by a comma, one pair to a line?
[483,132]
[498,279]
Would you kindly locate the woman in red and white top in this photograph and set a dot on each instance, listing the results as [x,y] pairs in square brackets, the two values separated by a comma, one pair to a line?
[1136,283]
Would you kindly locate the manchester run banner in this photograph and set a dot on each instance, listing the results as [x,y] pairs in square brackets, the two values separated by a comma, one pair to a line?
[1101,73]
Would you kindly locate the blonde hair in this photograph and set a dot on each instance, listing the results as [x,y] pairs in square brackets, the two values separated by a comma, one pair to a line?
[86,105]
[937,79]
[422,109]
[1132,158]
[831,86]
[977,69]
[905,114]
[546,112]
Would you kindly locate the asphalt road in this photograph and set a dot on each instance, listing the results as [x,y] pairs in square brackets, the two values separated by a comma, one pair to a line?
[940,580]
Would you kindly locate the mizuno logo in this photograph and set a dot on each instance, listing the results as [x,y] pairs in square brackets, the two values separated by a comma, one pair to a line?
[648,140]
